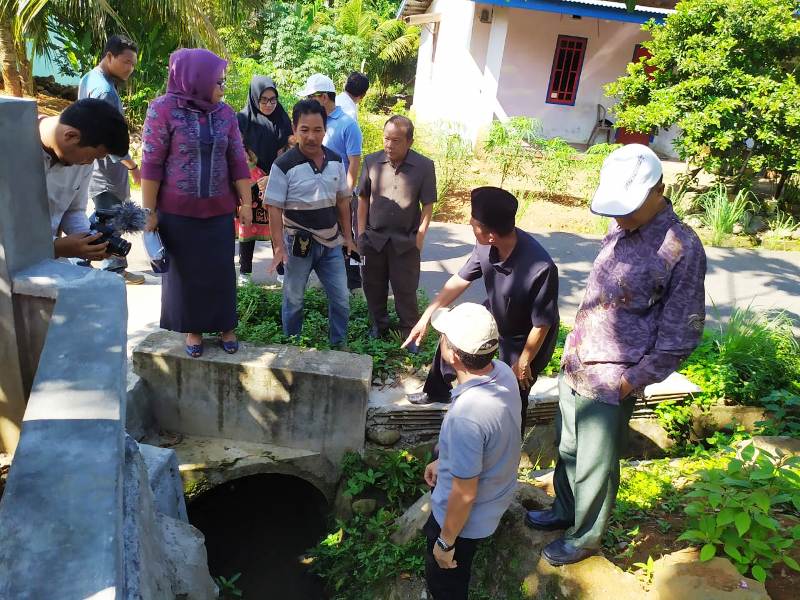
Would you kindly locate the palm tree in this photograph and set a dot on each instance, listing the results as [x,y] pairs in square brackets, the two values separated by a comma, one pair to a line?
[27,20]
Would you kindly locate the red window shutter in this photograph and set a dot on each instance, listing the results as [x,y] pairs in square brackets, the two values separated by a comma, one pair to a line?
[566,72]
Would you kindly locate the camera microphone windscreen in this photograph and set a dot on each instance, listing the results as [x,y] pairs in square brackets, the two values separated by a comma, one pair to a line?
[129,218]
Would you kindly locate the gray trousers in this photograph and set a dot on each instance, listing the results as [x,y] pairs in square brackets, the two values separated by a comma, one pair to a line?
[591,436]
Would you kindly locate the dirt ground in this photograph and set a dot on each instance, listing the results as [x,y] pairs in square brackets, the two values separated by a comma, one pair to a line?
[48,105]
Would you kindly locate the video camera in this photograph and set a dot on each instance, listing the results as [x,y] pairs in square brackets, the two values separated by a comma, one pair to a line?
[113,218]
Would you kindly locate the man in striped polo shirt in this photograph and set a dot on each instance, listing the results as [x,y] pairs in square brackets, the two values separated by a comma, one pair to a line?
[309,215]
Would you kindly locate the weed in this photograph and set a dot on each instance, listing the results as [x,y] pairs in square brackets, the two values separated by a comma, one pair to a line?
[260,322]
[508,145]
[228,588]
[721,213]
[648,569]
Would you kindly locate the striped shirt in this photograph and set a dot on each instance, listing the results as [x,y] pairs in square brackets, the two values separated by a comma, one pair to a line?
[307,195]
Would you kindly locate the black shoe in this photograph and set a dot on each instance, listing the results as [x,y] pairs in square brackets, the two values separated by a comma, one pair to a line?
[561,552]
[422,398]
[546,520]
[376,333]
[412,348]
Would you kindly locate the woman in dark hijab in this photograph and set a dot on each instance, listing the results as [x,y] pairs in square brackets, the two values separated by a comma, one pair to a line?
[265,128]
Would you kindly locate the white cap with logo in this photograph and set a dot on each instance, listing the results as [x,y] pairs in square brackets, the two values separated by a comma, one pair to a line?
[626,178]
[317,83]
[469,327]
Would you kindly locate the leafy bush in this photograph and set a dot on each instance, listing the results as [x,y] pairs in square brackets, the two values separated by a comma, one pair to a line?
[724,71]
[784,409]
[721,213]
[359,556]
[260,322]
[743,510]
[554,366]
[447,145]
[398,474]
[746,357]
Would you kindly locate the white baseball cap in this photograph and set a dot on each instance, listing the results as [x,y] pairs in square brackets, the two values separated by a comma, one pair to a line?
[315,84]
[627,176]
[469,327]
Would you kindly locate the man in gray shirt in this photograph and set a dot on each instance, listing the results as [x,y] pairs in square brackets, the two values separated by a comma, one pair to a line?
[475,476]
[109,183]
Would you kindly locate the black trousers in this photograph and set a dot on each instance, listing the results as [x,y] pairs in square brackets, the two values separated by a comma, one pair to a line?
[246,250]
[448,584]
[441,377]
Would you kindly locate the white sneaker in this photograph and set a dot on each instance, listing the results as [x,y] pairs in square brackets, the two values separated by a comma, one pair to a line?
[244,278]
[280,279]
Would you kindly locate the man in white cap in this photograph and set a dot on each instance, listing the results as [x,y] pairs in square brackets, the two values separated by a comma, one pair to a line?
[343,136]
[475,475]
[642,313]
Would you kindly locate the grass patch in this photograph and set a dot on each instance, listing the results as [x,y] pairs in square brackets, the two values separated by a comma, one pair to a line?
[260,322]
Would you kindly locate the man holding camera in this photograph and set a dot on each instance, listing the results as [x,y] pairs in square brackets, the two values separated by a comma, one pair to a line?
[109,184]
[84,132]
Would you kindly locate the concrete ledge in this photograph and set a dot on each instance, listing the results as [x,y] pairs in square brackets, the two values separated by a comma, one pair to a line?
[281,395]
[61,515]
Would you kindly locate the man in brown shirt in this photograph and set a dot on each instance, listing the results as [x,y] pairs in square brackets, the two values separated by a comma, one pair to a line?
[397,192]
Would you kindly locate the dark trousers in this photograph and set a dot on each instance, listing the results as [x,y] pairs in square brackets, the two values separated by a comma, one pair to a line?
[448,584]
[591,436]
[402,271]
[246,250]
[353,271]
[441,377]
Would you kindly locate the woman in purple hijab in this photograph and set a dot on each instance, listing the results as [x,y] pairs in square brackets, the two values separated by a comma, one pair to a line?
[194,171]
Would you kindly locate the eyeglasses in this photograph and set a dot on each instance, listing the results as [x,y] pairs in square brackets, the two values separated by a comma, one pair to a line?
[268,101]
[317,96]
[221,83]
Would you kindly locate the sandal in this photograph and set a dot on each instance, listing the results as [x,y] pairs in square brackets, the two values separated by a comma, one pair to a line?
[194,350]
[230,347]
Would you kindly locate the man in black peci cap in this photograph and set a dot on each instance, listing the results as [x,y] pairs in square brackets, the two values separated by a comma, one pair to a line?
[522,294]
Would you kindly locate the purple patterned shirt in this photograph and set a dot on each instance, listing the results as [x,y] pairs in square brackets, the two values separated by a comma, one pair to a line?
[643,309]
[196,156]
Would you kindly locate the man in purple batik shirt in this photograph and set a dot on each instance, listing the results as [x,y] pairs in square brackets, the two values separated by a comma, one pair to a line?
[641,315]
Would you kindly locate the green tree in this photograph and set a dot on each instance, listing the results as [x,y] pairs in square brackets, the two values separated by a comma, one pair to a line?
[725,72]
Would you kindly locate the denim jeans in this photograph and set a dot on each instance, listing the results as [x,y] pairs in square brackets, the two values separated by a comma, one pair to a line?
[327,263]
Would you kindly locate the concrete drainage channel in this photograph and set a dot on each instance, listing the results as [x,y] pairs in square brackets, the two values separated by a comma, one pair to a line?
[258,438]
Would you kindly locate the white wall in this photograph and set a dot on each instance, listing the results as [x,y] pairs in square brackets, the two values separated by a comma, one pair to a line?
[455,87]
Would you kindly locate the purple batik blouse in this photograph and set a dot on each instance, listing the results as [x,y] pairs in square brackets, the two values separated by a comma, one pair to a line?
[196,155]
[643,309]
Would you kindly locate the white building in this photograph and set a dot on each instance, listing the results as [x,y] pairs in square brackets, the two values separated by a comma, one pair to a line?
[547,59]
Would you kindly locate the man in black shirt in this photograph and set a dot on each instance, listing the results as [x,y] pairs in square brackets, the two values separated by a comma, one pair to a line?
[522,287]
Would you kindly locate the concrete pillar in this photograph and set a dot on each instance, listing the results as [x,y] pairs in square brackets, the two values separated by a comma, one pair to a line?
[494,63]
[24,241]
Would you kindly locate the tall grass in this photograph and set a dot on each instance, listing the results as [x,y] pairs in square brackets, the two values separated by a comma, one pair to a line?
[722,213]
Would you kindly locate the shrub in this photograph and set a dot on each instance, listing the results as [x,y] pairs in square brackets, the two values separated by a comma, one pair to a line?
[447,145]
[743,359]
[260,322]
[738,510]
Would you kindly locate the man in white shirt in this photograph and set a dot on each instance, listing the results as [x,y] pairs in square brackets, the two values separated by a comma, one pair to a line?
[354,91]
[87,130]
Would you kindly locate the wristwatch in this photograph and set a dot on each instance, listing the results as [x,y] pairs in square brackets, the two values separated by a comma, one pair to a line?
[147,211]
[444,545]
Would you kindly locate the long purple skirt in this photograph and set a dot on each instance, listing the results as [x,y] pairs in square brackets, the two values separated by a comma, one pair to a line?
[198,292]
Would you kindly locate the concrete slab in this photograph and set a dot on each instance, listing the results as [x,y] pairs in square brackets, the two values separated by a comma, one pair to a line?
[207,462]
[283,395]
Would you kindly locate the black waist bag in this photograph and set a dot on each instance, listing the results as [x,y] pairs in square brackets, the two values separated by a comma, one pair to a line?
[301,246]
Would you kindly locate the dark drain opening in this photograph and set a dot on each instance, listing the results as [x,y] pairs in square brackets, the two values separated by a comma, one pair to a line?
[261,526]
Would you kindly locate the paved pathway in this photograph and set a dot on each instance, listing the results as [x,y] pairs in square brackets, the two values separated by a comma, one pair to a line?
[768,280]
